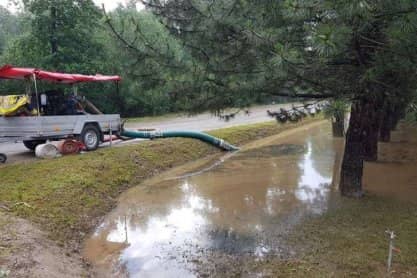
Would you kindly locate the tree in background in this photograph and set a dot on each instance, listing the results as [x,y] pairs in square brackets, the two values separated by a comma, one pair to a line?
[10,26]
[61,36]
[153,62]
[336,111]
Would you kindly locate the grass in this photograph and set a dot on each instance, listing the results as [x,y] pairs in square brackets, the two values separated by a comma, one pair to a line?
[350,240]
[67,196]
[154,118]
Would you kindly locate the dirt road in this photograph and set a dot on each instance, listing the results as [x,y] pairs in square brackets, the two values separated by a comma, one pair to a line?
[205,121]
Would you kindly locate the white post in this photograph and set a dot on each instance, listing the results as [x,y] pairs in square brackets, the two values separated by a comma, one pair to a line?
[390,248]
[111,134]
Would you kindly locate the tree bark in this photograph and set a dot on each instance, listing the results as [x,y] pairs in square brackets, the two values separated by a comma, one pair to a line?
[370,132]
[338,125]
[386,123]
[352,164]
[370,128]
[397,115]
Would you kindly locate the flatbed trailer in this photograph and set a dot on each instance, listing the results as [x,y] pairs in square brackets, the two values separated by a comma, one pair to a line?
[44,125]
[90,129]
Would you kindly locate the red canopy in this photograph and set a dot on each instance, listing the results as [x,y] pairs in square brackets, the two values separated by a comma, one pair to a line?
[10,72]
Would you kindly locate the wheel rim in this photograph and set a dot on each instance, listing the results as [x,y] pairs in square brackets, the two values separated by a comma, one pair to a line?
[90,139]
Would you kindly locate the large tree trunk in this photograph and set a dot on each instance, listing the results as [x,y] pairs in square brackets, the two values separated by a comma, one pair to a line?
[371,121]
[352,163]
[398,113]
[338,125]
[386,123]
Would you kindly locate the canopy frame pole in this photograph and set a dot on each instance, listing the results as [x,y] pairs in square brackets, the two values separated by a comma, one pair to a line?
[75,89]
[37,95]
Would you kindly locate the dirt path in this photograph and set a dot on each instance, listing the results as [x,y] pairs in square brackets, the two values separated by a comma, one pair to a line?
[25,251]
[205,121]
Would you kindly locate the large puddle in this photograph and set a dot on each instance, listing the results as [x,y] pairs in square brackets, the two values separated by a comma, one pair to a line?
[173,224]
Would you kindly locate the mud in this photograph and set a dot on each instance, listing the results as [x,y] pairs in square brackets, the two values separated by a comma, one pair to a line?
[25,251]
[200,219]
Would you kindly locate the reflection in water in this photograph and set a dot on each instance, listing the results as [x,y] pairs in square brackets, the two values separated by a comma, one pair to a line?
[312,186]
[243,206]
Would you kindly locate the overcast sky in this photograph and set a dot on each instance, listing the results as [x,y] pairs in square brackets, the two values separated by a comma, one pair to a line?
[109,4]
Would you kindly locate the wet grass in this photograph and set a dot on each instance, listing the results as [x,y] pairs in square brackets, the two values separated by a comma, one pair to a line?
[350,241]
[67,196]
[154,118]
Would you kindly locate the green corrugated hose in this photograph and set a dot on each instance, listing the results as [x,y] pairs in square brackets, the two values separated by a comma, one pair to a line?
[220,143]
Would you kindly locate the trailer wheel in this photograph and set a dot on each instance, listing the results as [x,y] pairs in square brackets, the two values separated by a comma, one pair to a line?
[90,136]
[31,144]
[3,158]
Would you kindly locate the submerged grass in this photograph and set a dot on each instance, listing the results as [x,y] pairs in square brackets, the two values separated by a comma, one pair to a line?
[67,196]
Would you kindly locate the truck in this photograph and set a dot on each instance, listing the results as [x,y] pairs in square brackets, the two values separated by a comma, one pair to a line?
[35,116]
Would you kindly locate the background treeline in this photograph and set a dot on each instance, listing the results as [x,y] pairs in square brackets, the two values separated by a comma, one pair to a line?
[73,36]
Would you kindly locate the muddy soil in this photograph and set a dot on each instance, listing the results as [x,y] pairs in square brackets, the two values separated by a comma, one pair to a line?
[25,251]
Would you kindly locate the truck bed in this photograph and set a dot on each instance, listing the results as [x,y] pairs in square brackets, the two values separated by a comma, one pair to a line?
[55,126]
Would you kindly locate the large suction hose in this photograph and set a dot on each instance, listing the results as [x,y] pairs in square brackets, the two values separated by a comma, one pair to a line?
[220,143]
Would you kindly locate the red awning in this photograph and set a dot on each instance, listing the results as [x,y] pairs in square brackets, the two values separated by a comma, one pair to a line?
[9,72]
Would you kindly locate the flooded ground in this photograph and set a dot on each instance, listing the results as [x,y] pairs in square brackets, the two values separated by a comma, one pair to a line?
[395,172]
[200,219]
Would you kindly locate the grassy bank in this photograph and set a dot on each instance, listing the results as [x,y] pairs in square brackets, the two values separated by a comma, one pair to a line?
[66,196]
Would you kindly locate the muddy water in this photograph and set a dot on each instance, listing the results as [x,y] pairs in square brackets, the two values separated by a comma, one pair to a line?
[394,175]
[175,224]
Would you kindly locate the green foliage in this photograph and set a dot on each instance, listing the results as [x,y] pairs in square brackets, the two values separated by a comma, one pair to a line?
[61,36]
[9,27]
[336,108]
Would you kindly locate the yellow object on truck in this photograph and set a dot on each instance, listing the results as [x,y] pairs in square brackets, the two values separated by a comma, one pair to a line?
[12,105]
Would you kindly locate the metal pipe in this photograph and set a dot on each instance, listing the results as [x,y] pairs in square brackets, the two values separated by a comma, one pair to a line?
[37,96]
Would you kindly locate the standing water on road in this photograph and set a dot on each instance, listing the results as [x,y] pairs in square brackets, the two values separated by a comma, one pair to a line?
[182,224]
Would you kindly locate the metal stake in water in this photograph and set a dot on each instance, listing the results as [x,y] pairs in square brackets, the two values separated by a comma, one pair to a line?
[391,248]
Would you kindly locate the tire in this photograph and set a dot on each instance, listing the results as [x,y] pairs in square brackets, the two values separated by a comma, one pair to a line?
[3,158]
[90,136]
[31,144]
